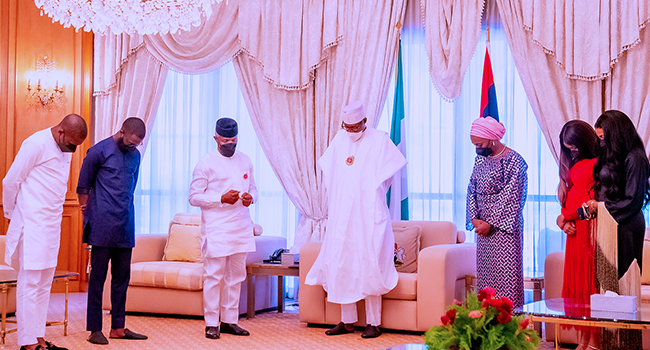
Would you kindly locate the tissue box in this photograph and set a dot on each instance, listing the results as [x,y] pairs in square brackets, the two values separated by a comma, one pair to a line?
[613,303]
[289,259]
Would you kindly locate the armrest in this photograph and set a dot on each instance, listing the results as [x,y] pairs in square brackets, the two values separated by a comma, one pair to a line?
[149,247]
[439,269]
[311,298]
[553,275]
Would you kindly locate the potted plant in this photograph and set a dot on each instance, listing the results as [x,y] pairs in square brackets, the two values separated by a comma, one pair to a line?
[483,322]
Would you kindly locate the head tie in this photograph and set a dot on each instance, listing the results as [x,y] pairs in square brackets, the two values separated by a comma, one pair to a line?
[487,128]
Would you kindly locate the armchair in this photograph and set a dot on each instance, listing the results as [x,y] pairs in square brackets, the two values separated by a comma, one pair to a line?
[420,298]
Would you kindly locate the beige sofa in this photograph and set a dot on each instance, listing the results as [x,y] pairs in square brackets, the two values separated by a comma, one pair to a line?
[11,294]
[420,298]
[174,287]
[554,279]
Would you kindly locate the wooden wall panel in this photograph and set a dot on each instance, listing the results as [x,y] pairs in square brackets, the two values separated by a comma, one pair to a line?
[22,42]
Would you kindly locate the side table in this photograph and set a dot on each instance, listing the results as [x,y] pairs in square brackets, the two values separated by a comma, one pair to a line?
[267,269]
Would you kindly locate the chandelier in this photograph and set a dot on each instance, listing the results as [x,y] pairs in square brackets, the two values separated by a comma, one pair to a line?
[127,16]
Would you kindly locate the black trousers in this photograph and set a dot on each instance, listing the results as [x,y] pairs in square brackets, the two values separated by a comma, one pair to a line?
[120,259]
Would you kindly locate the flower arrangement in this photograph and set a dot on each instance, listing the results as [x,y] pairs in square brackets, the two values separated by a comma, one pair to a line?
[482,322]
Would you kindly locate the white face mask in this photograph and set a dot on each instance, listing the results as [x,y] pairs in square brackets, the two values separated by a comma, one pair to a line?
[355,136]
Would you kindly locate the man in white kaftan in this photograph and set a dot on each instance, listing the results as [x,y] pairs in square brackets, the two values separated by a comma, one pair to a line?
[223,187]
[356,259]
[33,193]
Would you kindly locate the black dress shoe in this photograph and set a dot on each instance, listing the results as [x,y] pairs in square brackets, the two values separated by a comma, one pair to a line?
[129,334]
[212,332]
[51,346]
[339,329]
[371,332]
[97,337]
[233,328]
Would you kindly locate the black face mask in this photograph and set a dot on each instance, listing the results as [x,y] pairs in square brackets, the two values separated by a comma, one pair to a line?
[227,149]
[67,148]
[124,148]
[483,151]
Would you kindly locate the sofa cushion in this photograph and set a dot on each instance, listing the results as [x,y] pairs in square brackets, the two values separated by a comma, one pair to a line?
[168,274]
[406,288]
[407,237]
[183,243]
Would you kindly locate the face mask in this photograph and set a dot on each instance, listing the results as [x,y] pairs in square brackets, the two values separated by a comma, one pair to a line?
[483,151]
[355,136]
[67,148]
[227,149]
[124,148]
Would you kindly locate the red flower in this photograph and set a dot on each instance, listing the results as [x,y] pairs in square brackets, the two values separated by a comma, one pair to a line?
[506,304]
[451,314]
[445,320]
[457,302]
[524,323]
[504,317]
[486,293]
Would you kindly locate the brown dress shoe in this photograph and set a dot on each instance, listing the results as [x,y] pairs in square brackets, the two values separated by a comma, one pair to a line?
[212,332]
[339,329]
[233,328]
[371,332]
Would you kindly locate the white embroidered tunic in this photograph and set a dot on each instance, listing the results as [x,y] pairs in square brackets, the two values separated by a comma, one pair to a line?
[225,229]
[356,258]
[33,193]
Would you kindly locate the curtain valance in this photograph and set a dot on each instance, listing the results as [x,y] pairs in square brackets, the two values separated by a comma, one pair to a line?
[289,39]
[586,37]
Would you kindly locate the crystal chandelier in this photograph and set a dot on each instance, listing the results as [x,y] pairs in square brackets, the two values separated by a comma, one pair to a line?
[128,16]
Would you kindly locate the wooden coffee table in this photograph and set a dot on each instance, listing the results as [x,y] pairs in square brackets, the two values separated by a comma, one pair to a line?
[267,269]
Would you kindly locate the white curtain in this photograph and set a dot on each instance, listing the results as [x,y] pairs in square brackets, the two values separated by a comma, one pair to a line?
[295,127]
[128,82]
[558,87]
[438,145]
[452,31]
[182,133]
[279,48]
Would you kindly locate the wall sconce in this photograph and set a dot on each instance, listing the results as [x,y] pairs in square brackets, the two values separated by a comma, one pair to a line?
[43,96]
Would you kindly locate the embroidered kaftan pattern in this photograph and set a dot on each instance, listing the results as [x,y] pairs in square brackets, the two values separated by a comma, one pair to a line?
[496,194]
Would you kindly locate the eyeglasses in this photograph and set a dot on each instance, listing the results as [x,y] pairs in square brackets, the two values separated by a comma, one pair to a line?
[358,127]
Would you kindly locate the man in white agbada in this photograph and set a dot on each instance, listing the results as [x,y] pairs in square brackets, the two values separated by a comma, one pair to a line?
[356,259]
[33,192]
[223,187]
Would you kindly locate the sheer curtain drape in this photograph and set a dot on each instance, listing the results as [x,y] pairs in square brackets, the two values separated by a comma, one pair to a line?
[441,155]
[182,133]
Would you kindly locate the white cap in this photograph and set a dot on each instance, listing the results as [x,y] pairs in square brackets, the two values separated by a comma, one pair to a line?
[353,112]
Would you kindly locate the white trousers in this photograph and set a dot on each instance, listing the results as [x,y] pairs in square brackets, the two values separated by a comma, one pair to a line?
[32,301]
[373,311]
[221,287]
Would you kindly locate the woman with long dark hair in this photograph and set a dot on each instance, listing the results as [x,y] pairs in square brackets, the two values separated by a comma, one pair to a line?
[578,143]
[621,183]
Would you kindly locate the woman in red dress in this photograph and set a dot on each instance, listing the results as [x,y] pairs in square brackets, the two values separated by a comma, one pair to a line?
[578,142]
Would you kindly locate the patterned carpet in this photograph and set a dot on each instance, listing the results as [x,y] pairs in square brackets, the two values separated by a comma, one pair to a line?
[269,330]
